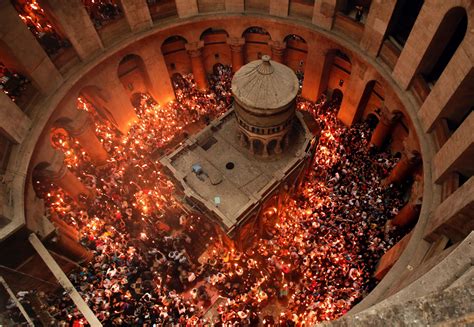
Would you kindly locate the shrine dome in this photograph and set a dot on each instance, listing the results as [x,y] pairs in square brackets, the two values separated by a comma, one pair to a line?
[264,86]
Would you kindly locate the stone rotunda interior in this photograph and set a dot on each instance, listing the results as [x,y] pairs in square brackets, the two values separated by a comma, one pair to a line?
[368,221]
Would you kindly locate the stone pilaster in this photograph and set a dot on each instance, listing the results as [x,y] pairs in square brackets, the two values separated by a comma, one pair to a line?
[278,51]
[161,88]
[323,13]
[77,26]
[14,123]
[82,128]
[137,14]
[195,54]
[404,168]
[186,8]
[234,5]
[316,74]
[376,26]
[279,8]
[351,110]
[383,129]
[236,45]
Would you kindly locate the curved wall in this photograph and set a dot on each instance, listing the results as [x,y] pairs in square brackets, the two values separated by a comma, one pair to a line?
[367,77]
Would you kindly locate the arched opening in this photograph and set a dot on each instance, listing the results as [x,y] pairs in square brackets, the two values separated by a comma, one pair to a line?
[372,120]
[448,37]
[256,43]
[46,31]
[257,147]
[354,9]
[14,82]
[296,54]
[402,21]
[133,75]
[338,68]
[271,147]
[216,49]
[103,13]
[368,100]
[161,9]
[336,97]
[176,58]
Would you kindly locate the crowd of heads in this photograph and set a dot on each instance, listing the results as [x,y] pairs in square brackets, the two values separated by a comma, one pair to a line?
[313,265]
[12,83]
[38,23]
[102,12]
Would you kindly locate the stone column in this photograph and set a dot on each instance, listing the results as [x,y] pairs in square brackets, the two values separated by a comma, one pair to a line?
[72,249]
[383,129]
[278,51]
[317,68]
[403,168]
[77,25]
[137,14]
[236,45]
[115,98]
[186,8]
[70,231]
[376,26]
[30,55]
[195,53]
[391,256]
[454,217]
[61,176]
[408,215]
[161,88]
[14,124]
[351,103]
[279,8]
[457,154]
[265,150]
[82,128]
[278,148]
[234,5]
[323,13]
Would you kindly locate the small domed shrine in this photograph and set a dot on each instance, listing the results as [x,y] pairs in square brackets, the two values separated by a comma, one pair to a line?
[264,102]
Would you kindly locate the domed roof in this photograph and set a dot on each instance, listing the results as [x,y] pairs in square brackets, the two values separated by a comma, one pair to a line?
[264,86]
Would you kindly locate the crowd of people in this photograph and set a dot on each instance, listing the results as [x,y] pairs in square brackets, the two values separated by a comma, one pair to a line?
[316,262]
[12,83]
[102,12]
[38,23]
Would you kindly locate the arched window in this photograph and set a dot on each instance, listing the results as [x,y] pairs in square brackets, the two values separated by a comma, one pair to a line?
[444,44]
[402,21]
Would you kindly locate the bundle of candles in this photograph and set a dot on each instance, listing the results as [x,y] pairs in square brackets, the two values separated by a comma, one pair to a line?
[316,264]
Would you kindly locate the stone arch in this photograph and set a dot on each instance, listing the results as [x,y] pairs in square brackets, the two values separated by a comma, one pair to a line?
[257,146]
[402,20]
[176,57]
[256,43]
[271,146]
[133,74]
[216,49]
[445,42]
